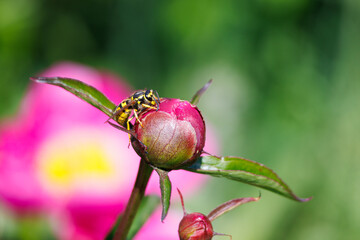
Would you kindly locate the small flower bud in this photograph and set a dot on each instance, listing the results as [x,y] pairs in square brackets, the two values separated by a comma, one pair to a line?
[195,226]
[174,135]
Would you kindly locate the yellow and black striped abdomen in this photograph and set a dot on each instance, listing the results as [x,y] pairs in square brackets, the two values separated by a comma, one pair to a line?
[124,112]
[123,117]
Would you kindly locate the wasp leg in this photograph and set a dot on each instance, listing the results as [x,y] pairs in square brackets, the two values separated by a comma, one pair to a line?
[148,106]
[128,128]
[128,124]
[137,118]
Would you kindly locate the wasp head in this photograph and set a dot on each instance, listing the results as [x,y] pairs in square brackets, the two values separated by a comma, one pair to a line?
[153,97]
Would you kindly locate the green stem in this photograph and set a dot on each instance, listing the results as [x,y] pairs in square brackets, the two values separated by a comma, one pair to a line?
[137,195]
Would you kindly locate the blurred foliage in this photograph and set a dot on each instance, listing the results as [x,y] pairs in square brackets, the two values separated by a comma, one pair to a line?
[286,87]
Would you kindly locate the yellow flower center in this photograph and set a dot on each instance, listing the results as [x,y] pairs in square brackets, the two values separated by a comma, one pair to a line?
[79,161]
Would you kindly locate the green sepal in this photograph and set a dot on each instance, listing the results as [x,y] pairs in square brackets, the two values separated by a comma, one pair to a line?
[243,170]
[228,206]
[81,90]
[196,98]
[165,187]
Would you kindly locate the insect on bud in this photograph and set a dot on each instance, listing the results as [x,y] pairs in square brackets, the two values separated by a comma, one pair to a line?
[174,135]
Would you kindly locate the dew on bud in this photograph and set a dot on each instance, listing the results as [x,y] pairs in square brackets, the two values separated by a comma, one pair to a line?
[174,135]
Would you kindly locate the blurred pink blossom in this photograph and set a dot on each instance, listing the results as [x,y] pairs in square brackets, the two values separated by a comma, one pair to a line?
[58,157]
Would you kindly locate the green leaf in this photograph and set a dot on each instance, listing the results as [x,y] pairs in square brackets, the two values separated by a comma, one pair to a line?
[243,170]
[165,187]
[146,208]
[81,90]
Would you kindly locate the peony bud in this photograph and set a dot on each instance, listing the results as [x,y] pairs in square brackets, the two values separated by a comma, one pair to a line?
[195,226]
[174,135]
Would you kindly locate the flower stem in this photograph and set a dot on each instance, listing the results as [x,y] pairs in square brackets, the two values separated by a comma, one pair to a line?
[137,195]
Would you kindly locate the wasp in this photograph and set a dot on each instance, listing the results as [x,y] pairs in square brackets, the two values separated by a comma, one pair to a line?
[133,106]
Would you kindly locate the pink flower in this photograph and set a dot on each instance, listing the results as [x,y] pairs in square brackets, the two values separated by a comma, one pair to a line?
[58,157]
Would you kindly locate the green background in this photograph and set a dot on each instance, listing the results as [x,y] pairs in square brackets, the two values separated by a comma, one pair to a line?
[285,92]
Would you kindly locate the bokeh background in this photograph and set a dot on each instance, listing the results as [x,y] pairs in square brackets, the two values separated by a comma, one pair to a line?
[285,93]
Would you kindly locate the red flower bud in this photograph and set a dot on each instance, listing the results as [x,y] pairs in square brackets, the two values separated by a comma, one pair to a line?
[195,226]
[174,135]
